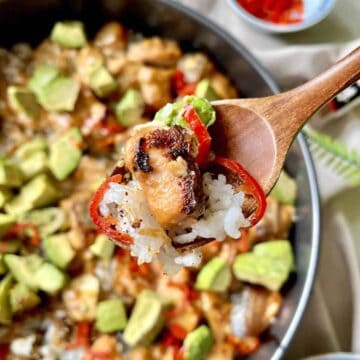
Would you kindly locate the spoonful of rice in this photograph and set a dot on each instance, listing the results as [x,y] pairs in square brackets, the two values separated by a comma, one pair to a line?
[200,171]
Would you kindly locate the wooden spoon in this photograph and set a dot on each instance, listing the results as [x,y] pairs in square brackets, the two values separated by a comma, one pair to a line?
[258,132]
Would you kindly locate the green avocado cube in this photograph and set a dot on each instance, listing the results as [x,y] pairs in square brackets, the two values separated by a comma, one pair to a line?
[60,94]
[32,157]
[23,101]
[6,221]
[49,278]
[30,148]
[146,319]
[10,174]
[65,154]
[22,298]
[130,108]
[276,249]
[3,268]
[10,246]
[110,316]
[58,250]
[40,191]
[102,82]
[43,75]
[171,114]
[69,34]
[285,189]
[214,276]
[103,247]
[198,343]
[269,264]
[205,90]
[22,268]
[48,220]
[34,165]
[5,196]
[5,307]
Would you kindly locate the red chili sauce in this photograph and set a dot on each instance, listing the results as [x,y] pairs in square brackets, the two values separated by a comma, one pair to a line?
[276,11]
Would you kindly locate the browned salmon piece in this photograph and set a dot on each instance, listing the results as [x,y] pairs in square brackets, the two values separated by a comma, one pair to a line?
[162,161]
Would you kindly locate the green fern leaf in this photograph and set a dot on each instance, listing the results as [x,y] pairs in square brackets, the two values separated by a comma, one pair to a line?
[335,155]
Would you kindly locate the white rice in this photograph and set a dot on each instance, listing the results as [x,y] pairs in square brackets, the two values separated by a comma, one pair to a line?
[238,313]
[223,217]
[23,346]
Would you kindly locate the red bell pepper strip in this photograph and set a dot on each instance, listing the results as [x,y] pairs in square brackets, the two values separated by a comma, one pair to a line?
[82,337]
[178,354]
[248,185]
[188,89]
[22,230]
[181,86]
[174,337]
[4,351]
[177,331]
[106,224]
[197,126]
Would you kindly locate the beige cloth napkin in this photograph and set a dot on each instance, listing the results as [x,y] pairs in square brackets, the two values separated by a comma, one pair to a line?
[332,319]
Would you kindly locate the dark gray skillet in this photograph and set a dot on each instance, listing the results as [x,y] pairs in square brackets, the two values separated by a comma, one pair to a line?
[31,21]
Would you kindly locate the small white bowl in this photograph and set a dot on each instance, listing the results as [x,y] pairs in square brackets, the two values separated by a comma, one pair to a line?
[314,12]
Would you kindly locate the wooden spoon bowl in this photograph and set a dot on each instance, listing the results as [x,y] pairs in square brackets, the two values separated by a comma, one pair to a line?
[258,133]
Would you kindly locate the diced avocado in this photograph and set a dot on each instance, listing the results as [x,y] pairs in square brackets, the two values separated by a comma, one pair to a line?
[215,276]
[130,108]
[102,82]
[5,196]
[205,90]
[110,316]
[146,320]
[203,108]
[49,278]
[53,90]
[23,268]
[30,148]
[60,94]
[23,101]
[22,298]
[269,264]
[58,250]
[32,157]
[171,114]
[198,343]
[277,249]
[6,221]
[3,268]
[48,220]
[285,189]
[34,165]
[10,246]
[10,174]
[40,191]
[69,34]
[5,307]
[103,247]
[43,75]
[65,154]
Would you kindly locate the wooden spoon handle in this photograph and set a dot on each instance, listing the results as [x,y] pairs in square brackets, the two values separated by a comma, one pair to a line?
[296,106]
